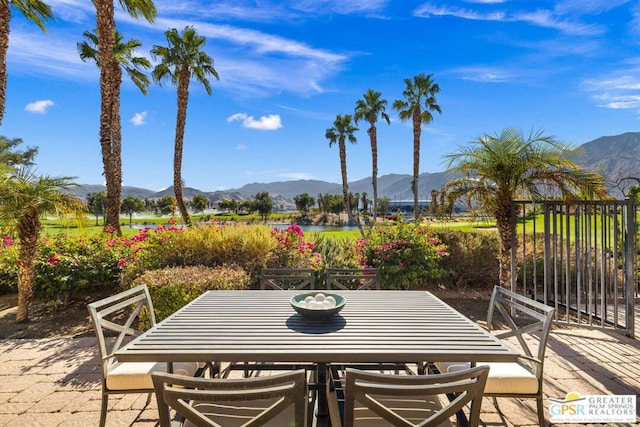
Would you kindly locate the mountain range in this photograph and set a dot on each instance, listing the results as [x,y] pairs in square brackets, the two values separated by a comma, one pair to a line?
[616,157]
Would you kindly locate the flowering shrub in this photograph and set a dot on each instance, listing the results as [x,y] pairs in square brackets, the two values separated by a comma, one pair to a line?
[8,265]
[292,250]
[67,264]
[406,254]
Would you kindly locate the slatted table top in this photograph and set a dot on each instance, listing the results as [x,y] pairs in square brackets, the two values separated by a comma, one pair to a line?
[261,326]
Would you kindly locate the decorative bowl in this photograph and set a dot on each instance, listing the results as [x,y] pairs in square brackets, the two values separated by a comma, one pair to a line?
[317,313]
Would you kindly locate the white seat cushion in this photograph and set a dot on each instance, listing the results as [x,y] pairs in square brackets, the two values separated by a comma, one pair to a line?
[507,378]
[137,375]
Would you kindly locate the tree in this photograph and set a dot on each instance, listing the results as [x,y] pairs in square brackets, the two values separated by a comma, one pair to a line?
[131,205]
[24,198]
[167,205]
[229,205]
[180,61]
[199,203]
[304,202]
[418,94]
[495,170]
[124,54]
[369,109]
[263,204]
[110,144]
[97,204]
[341,131]
[383,205]
[34,10]
[11,157]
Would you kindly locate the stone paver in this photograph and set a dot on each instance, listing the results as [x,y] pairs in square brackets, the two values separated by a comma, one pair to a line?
[57,382]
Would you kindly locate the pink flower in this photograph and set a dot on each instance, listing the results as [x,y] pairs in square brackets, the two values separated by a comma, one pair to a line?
[53,260]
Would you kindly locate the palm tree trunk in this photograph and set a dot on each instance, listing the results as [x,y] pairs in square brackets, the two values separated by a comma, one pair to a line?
[416,159]
[345,183]
[505,221]
[106,40]
[28,231]
[183,99]
[373,136]
[116,151]
[5,17]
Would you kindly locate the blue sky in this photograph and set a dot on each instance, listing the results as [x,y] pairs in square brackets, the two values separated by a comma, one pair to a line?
[570,68]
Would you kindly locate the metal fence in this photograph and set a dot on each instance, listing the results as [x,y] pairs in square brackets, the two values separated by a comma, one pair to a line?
[581,258]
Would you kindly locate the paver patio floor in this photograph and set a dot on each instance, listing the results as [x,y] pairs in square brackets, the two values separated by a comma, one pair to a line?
[56,382]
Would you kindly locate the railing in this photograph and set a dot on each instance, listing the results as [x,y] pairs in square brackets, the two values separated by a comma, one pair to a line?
[581,258]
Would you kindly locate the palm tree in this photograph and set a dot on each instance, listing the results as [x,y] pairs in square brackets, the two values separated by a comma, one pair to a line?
[341,131]
[34,10]
[24,198]
[495,170]
[124,53]
[110,97]
[181,60]
[369,109]
[418,94]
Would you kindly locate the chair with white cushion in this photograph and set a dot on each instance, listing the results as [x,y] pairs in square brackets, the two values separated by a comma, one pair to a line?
[278,400]
[373,399]
[529,322]
[120,314]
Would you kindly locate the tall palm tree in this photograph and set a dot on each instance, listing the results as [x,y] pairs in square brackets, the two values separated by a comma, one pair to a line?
[419,93]
[183,59]
[34,10]
[343,130]
[109,97]
[124,53]
[24,198]
[370,108]
[495,170]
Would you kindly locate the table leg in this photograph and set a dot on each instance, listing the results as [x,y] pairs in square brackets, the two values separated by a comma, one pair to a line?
[321,396]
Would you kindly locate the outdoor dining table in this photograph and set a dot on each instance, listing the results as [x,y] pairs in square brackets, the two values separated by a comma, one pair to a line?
[261,326]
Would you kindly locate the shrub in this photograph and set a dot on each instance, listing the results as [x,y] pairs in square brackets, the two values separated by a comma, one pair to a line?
[292,250]
[67,264]
[472,260]
[8,265]
[172,288]
[251,247]
[407,255]
[207,245]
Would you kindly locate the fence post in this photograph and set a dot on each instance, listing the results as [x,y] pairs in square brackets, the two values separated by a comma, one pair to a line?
[630,264]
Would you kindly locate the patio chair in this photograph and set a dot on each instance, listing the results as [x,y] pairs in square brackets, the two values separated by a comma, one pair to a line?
[287,278]
[352,278]
[279,400]
[529,322]
[373,399]
[120,314]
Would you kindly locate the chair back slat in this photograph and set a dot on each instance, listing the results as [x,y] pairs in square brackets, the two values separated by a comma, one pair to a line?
[278,399]
[352,278]
[424,400]
[529,321]
[287,278]
[119,313]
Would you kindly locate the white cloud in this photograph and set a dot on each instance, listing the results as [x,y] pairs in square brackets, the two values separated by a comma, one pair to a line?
[240,147]
[617,92]
[139,119]
[39,107]
[270,122]
[426,10]
[484,74]
[541,18]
